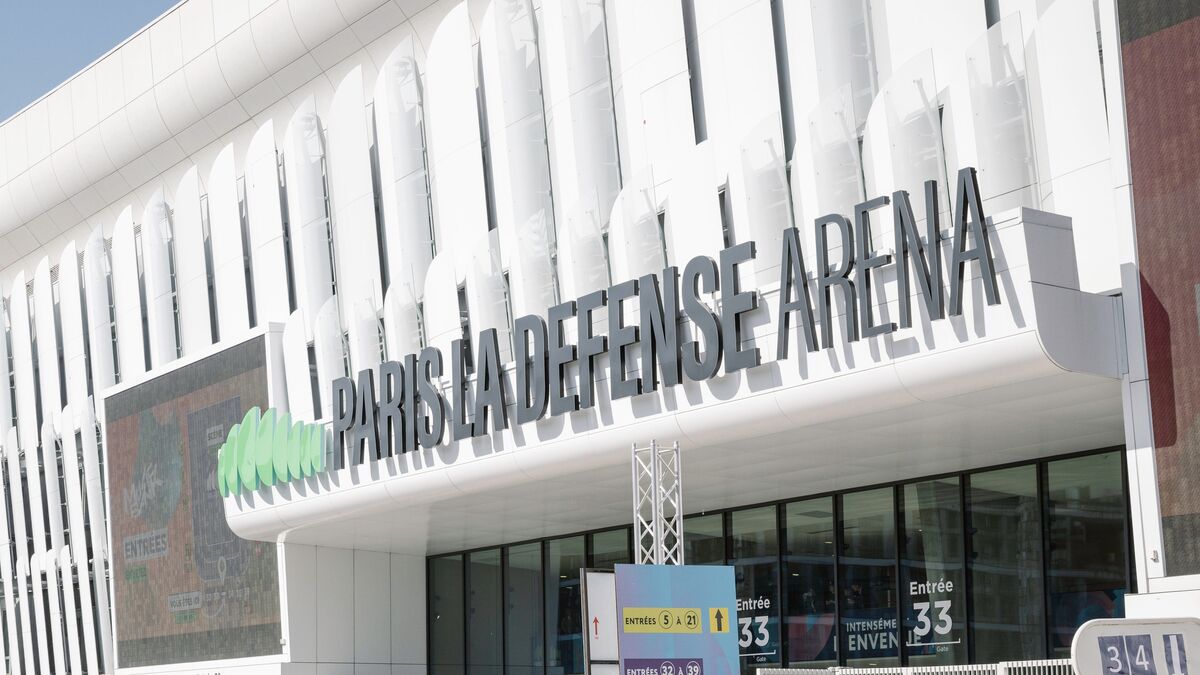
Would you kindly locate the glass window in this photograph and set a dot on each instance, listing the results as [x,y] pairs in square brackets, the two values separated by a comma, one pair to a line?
[810,584]
[446,620]
[754,549]
[868,573]
[703,540]
[485,651]
[564,620]
[933,582]
[1005,536]
[1085,521]
[523,610]
[610,548]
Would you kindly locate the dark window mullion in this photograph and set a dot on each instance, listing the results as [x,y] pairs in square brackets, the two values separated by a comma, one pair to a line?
[1048,609]
[899,543]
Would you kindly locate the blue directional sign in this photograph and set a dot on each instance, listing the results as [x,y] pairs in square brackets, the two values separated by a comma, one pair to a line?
[676,620]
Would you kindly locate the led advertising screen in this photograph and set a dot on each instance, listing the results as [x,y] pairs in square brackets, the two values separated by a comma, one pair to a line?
[186,588]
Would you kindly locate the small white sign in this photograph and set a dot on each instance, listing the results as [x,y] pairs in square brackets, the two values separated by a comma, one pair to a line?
[1136,647]
[601,617]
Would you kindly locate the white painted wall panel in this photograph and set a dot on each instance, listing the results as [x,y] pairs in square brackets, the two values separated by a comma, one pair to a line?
[66,577]
[1002,127]
[404,180]
[519,161]
[758,201]
[356,244]
[127,299]
[6,402]
[37,570]
[267,245]
[441,304]
[455,153]
[650,84]
[95,284]
[335,620]
[372,612]
[47,340]
[635,245]
[401,321]
[47,451]
[693,211]
[1070,125]
[20,537]
[902,145]
[41,615]
[191,273]
[156,262]
[295,367]
[11,593]
[304,158]
[225,234]
[582,137]
[71,314]
[845,55]
[737,70]
[22,355]
[75,510]
[97,518]
[327,342]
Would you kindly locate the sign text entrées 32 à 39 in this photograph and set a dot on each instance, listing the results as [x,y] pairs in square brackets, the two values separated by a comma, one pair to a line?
[409,411]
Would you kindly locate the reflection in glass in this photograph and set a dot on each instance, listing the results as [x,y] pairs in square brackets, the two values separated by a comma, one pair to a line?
[933,584]
[610,548]
[564,621]
[1000,104]
[523,654]
[703,540]
[446,620]
[868,569]
[1085,520]
[811,590]
[1005,529]
[484,648]
[754,553]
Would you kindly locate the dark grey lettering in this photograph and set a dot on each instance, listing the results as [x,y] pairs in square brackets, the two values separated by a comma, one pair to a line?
[620,338]
[838,276]
[490,401]
[700,276]
[734,303]
[532,386]
[867,260]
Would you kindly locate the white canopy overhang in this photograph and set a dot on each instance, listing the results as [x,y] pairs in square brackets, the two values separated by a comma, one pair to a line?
[1034,376]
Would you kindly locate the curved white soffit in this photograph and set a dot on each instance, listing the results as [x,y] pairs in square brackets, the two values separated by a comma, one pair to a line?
[113,114]
[995,365]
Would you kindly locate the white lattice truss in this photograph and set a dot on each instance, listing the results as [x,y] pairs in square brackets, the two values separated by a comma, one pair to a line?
[657,505]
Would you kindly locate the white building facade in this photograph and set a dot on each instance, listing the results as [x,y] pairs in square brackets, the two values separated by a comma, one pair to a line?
[873,265]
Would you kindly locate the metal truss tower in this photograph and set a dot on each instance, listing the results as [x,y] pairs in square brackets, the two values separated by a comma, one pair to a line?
[657,505]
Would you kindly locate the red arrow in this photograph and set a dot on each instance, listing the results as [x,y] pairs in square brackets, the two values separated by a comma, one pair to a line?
[596,625]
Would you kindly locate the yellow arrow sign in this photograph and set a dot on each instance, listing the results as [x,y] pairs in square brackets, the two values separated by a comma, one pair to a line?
[718,619]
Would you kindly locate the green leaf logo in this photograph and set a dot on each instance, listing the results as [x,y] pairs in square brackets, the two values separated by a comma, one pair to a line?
[266,448]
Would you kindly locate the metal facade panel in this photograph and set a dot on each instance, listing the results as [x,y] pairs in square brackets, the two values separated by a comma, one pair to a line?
[127,299]
[191,273]
[157,234]
[265,222]
[225,233]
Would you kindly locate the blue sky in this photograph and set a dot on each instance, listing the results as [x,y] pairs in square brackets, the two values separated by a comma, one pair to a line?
[44,42]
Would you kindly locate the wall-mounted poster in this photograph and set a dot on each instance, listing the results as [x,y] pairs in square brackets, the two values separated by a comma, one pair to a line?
[186,588]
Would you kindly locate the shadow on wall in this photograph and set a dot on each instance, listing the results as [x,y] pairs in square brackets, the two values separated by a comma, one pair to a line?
[1160,367]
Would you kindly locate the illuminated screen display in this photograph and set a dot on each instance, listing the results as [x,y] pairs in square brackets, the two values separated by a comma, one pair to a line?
[187,589]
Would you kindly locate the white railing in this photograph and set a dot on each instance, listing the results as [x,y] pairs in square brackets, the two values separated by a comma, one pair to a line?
[1040,667]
